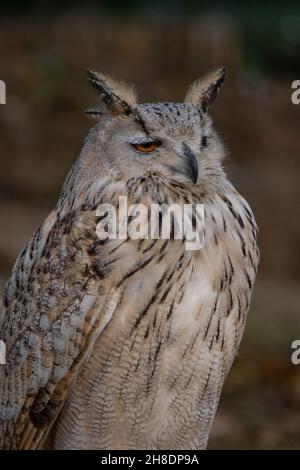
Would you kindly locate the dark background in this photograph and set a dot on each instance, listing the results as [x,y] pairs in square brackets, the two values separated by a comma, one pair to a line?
[162,47]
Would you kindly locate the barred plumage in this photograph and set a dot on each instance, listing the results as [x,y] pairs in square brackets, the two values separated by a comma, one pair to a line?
[125,344]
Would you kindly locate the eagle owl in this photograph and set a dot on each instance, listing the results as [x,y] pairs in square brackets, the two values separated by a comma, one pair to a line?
[125,344]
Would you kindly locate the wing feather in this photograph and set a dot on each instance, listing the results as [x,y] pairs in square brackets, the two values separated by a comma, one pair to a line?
[55,306]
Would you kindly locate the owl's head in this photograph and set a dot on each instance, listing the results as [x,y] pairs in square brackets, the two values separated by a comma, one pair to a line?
[175,139]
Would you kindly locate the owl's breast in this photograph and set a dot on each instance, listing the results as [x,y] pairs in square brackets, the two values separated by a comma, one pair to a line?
[155,374]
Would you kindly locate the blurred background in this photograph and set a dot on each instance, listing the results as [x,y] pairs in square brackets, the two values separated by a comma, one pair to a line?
[162,46]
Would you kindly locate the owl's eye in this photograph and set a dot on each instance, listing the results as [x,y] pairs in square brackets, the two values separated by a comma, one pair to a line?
[204,141]
[147,147]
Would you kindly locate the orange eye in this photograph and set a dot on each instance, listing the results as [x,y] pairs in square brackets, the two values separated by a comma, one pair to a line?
[146,147]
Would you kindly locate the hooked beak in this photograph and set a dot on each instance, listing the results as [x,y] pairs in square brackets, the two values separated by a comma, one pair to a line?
[185,167]
[190,163]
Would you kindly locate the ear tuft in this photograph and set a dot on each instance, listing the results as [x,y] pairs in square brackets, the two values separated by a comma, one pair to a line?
[119,98]
[204,91]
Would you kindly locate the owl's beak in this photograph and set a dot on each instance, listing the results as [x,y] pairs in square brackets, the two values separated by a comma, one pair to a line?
[185,167]
[190,164]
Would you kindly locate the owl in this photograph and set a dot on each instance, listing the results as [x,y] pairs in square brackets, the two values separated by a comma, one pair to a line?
[126,343]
